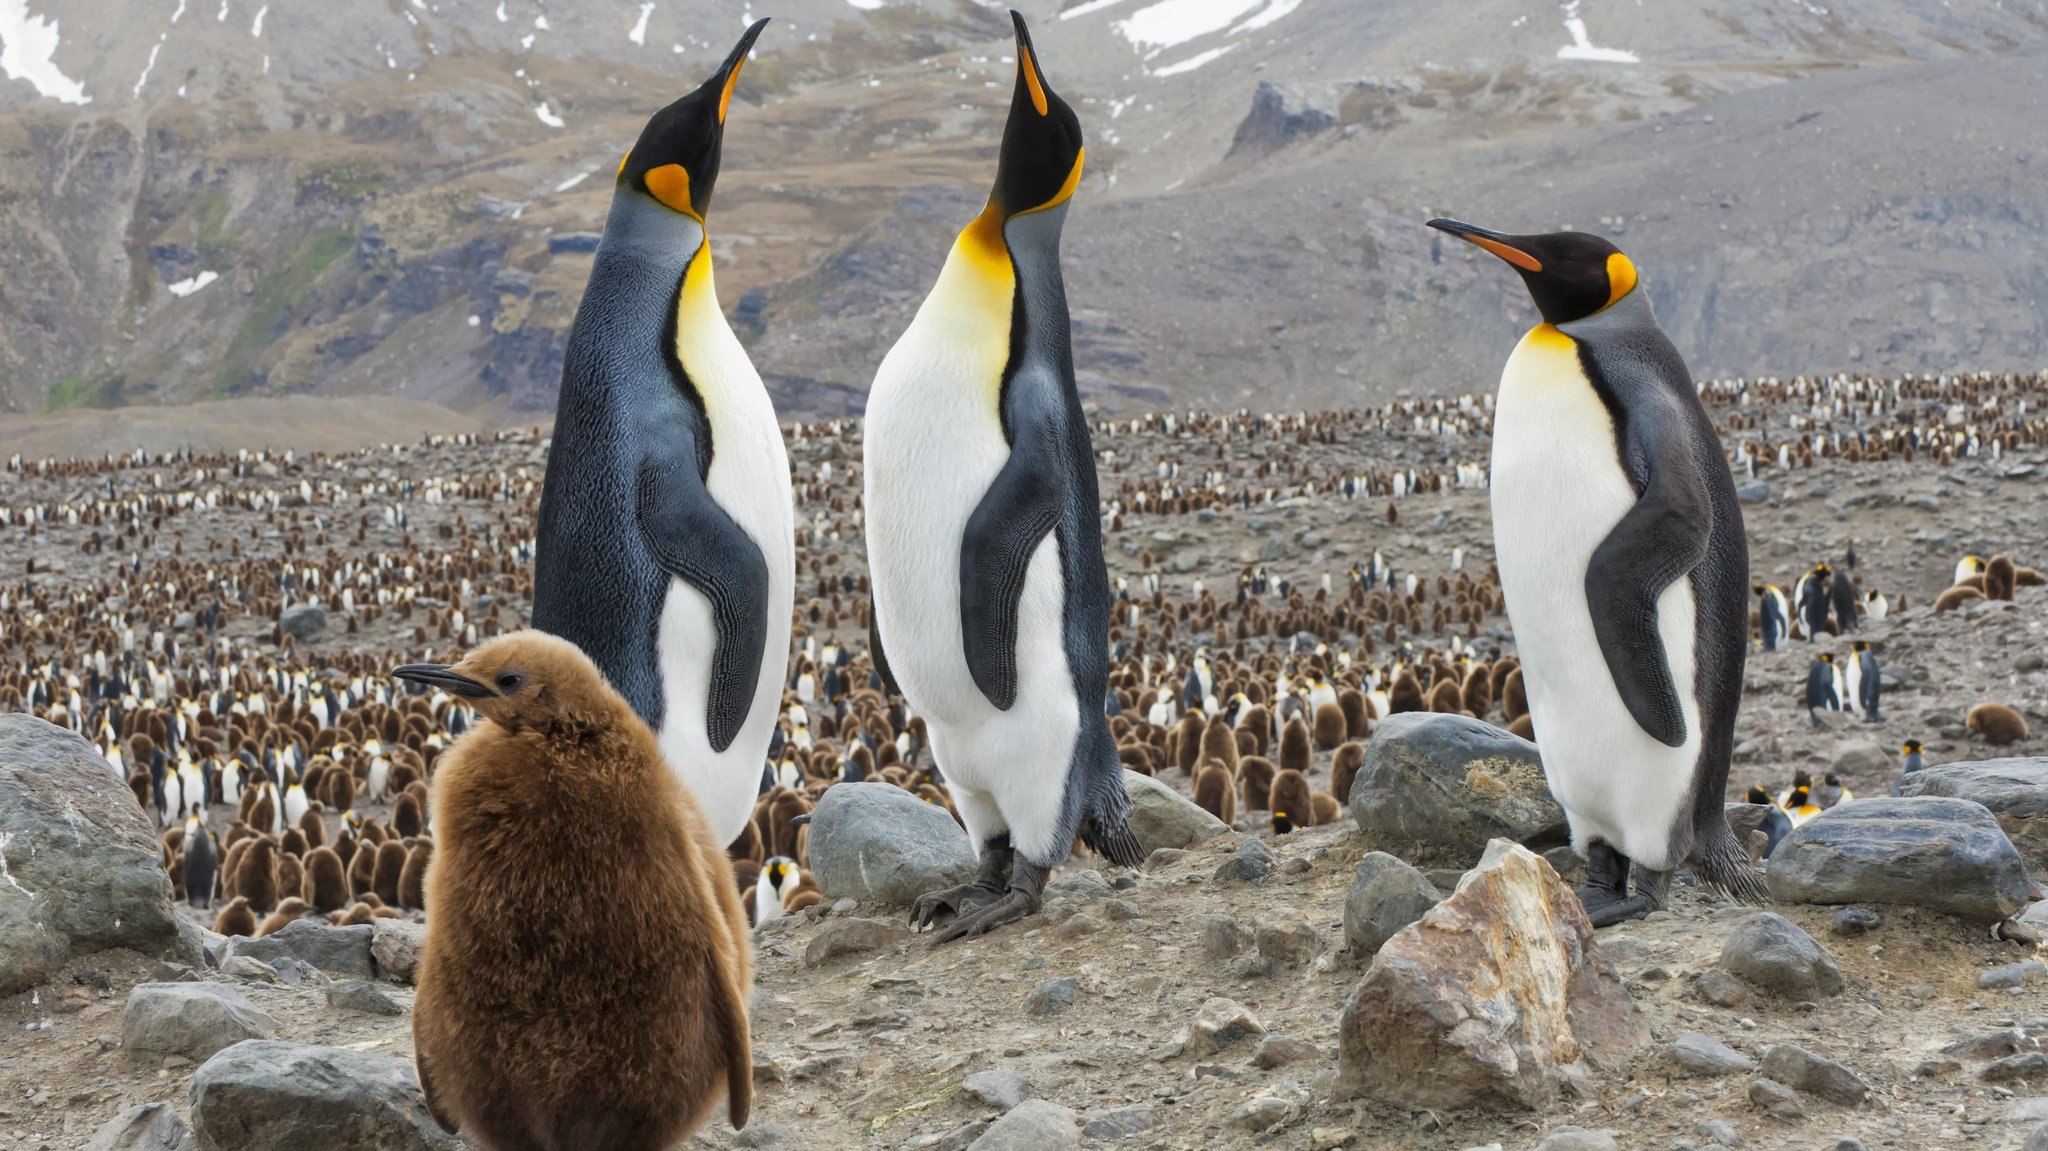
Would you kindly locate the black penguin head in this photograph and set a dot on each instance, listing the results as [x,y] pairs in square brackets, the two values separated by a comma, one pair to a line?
[1041,157]
[1282,823]
[1570,275]
[1757,795]
[1862,645]
[1912,747]
[1827,657]
[675,160]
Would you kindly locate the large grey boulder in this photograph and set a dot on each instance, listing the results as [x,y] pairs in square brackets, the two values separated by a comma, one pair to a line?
[1033,1125]
[80,868]
[190,1019]
[1946,855]
[1497,997]
[2015,790]
[263,1095]
[1435,789]
[1385,896]
[877,843]
[145,1127]
[303,622]
[343,951]
[1279,116]
[1163,817]
[395,945]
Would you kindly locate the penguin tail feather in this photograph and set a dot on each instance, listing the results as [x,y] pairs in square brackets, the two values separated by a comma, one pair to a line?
[1118,843]
[1720,862]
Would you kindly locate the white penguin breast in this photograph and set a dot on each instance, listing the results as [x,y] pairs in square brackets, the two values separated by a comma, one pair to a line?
[749,478]
[933,445]
[1558,490]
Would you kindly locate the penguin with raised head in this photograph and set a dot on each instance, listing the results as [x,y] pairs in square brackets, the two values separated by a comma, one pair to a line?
[1626,572]
[991,601]
[1843,598]
[665,542]
[1910,761]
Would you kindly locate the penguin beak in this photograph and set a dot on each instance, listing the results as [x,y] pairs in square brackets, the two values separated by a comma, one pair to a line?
[728,73]
[440,675]
[1490,240]
[1042,154]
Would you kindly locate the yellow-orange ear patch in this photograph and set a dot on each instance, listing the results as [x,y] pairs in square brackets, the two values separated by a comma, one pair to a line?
[623,161]
[1621,277]
[1029,66]
[670,184]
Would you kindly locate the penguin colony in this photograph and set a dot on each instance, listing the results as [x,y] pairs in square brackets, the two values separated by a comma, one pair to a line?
[758,662]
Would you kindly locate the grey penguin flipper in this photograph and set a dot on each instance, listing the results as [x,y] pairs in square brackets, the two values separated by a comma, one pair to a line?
[1015,515]
[875,650]
[1659,540]
[693,539]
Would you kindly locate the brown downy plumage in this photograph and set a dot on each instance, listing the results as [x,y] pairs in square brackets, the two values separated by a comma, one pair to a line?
[1446,698]
[1327,809]
[1136,756]
[1524,726]
[412,881]
[2000,575]
[256,875]
[286,912]
[1477,692]
[325,884]
[405,816]
[1997,723]
[356,915]
[1187,742]
[1295,746]
[1219,742]
[313,828]
[235,918]
[389,867]
[1514,698]
[291,876]
[362,870]
[586,979]
[1344,768]
[1255,774]
[1357,713]
[1406,694]
[1331,728]
[1216,792]
[1956,597]
[1259,722]
[1290,803]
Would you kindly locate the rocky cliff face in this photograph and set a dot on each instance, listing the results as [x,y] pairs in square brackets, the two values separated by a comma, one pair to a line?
[215,198]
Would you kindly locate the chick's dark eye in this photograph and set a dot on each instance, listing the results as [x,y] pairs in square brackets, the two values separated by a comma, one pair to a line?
[510,681]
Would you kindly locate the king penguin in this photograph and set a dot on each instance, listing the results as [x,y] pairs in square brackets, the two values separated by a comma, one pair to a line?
[1625,569]
[666,548]
[991,601]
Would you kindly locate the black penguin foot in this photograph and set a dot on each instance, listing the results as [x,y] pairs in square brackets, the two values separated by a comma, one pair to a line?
[1606,896]
[1027,884]
[1620,910]
[991,882]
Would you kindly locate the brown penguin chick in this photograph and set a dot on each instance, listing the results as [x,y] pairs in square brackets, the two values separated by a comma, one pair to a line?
[1477,692]
[292,842]
[291,876]
[1514,697]
[1187,742]
[1255,776]
[1446,698]
[1956,597]
[2000,575]
[313,827]
[1406,694]
[745,874]
[405,815]
[362,870]
[385,873]
[357,915]
[2028,577]
[1331,728]
[801,898]
[1295,746]
[1997,723]
[325,883]
[1135,756]
[1219,742]
[1327,809]
[1344,768]
[747,846]
[1524,726]
[338,790]
[235,918]
[256,874]
[286,912]
[1290,803]
[412,880]
[781,811]
[1357,713]
[585,983]
[1216,793]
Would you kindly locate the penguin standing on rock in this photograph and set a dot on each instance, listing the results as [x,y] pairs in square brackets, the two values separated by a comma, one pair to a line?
[585,983]
[985,541]
[1623,561]
[665,541]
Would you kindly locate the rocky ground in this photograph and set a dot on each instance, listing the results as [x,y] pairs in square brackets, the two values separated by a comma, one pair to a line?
[867,1037]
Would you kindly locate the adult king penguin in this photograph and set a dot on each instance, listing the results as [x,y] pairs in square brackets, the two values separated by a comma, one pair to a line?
[1623,562]
[666,550]
[992,604]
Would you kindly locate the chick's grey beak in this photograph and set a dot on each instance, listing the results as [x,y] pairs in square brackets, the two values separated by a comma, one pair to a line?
[439,675]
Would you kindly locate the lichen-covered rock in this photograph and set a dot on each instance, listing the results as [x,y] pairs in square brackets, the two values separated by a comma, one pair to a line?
[2014,790]
[80,869]
[1436,789]
[1496,997]
[1941,854]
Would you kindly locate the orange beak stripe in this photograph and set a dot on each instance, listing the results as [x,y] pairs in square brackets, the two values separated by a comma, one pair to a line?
[1030,68]
[725,97]
[1515,256]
